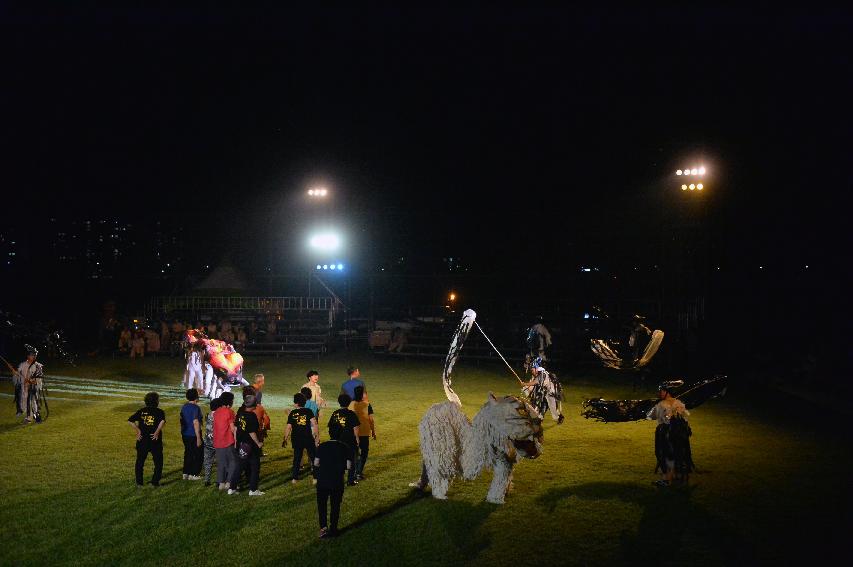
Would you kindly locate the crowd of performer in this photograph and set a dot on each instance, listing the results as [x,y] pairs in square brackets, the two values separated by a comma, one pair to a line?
[234,442]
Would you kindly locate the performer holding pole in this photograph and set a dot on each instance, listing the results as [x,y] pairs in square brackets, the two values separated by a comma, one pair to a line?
[544,392]
[31,374]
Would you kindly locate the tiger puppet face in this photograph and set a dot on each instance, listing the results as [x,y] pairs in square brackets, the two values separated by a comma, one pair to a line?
[513,424]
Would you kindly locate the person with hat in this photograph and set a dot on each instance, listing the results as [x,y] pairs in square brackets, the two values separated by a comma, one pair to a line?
[672,435]
[30,374]
[544,391]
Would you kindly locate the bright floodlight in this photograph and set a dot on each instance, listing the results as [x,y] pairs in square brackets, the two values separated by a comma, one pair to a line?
[326,241]
[686,171]
[325,266]
[701,171]
[694,171]
[700,186]
[318,192]
[340,266]
[678,172]
[319,267]
[684,187]
[331,266]
[452,297]
[692,187]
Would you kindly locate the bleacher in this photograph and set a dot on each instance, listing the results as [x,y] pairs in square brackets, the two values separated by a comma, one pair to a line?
[305,325]
[432,340]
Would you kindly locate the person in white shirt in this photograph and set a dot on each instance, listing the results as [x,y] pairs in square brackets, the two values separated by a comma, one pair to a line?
[672,436]
[31,374]
[194,374]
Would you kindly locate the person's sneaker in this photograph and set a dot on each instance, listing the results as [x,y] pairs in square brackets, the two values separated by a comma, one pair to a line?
[139,485]
[193,477]
[185,476]
[352,482]
[313,481]
[294,481]
[256,493]
[233,491]
[660,482]
[560,419]
[324,533]
[416,484]
[223,485]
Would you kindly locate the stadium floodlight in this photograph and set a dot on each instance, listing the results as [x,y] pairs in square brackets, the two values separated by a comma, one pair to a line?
[684,187]
[700,186]
[319,267]
[692,186]
[318,192]
[678,172]
[694,171]
[325,266]
[702,170]
[340,266]
[452,297]
[686,171]
[331,266]
[326,241]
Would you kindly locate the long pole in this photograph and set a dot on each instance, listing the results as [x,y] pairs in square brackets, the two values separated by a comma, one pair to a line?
[499,354]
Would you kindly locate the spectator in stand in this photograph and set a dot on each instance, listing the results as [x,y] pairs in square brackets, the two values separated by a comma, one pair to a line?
[313,384]
[302,426]
[124,340]
[177,329]
[398,340]
[152,341]
[249,445]
[331,462]
[227,336]
[253,330]
[209,450]
[223,440]
[354,380]
[212,331]
[364,411]
[165,335]
[148,423]
[241,339]
[138,345]
[343,427]
[272,331]
[191,419]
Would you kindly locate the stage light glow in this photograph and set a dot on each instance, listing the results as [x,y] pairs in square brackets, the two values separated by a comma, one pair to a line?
[684,187]
[694,171]
[331,266]
[692,186]
[700,186]
[678,172]
[311,192]
[340,266]
[686,171]
[319,267]
[325,266]
[702,170]
[325,241]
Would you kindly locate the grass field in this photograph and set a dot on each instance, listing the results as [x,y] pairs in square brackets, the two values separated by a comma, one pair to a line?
[773,484]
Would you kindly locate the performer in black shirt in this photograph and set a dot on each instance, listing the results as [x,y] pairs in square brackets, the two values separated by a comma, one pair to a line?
[148,423]
[343,427]
[302,425]
[248,444]
[331,462]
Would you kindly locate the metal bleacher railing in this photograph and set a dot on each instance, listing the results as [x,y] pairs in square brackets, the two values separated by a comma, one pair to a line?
[167,304]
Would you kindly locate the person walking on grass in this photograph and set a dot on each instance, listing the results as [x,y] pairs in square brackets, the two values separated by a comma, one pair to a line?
[364,411]
[313,384]
[224,440]
[148,423]
[302,428]
[352,382]
[330,464]
[209,451]
[249,445]
[191,434]
[311,404]
[343,427]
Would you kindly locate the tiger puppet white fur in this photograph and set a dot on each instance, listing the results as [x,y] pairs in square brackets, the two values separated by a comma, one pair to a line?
[452,445]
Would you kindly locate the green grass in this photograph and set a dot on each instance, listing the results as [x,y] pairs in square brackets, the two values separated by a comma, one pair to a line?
[771,487]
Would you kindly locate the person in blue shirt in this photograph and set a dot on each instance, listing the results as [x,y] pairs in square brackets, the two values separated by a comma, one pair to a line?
[191,433]
[350,385]
[310,403]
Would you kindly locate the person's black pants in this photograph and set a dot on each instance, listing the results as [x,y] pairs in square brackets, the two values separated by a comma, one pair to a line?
[363,449]
[156,450]
[353,457]
[252,466]
[298,448]
[193,456]
[323,496]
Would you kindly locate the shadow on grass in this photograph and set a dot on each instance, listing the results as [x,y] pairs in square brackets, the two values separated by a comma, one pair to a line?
[670,521]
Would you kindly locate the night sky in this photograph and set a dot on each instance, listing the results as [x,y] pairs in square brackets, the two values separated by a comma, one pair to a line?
[548,128]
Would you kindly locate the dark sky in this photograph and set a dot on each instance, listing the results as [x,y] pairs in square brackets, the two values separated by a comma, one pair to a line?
[567,120]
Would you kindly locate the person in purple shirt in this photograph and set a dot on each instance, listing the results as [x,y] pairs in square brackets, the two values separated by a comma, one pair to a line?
[350,385]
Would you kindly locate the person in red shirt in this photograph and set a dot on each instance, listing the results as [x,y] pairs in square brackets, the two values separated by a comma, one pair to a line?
[223,440]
